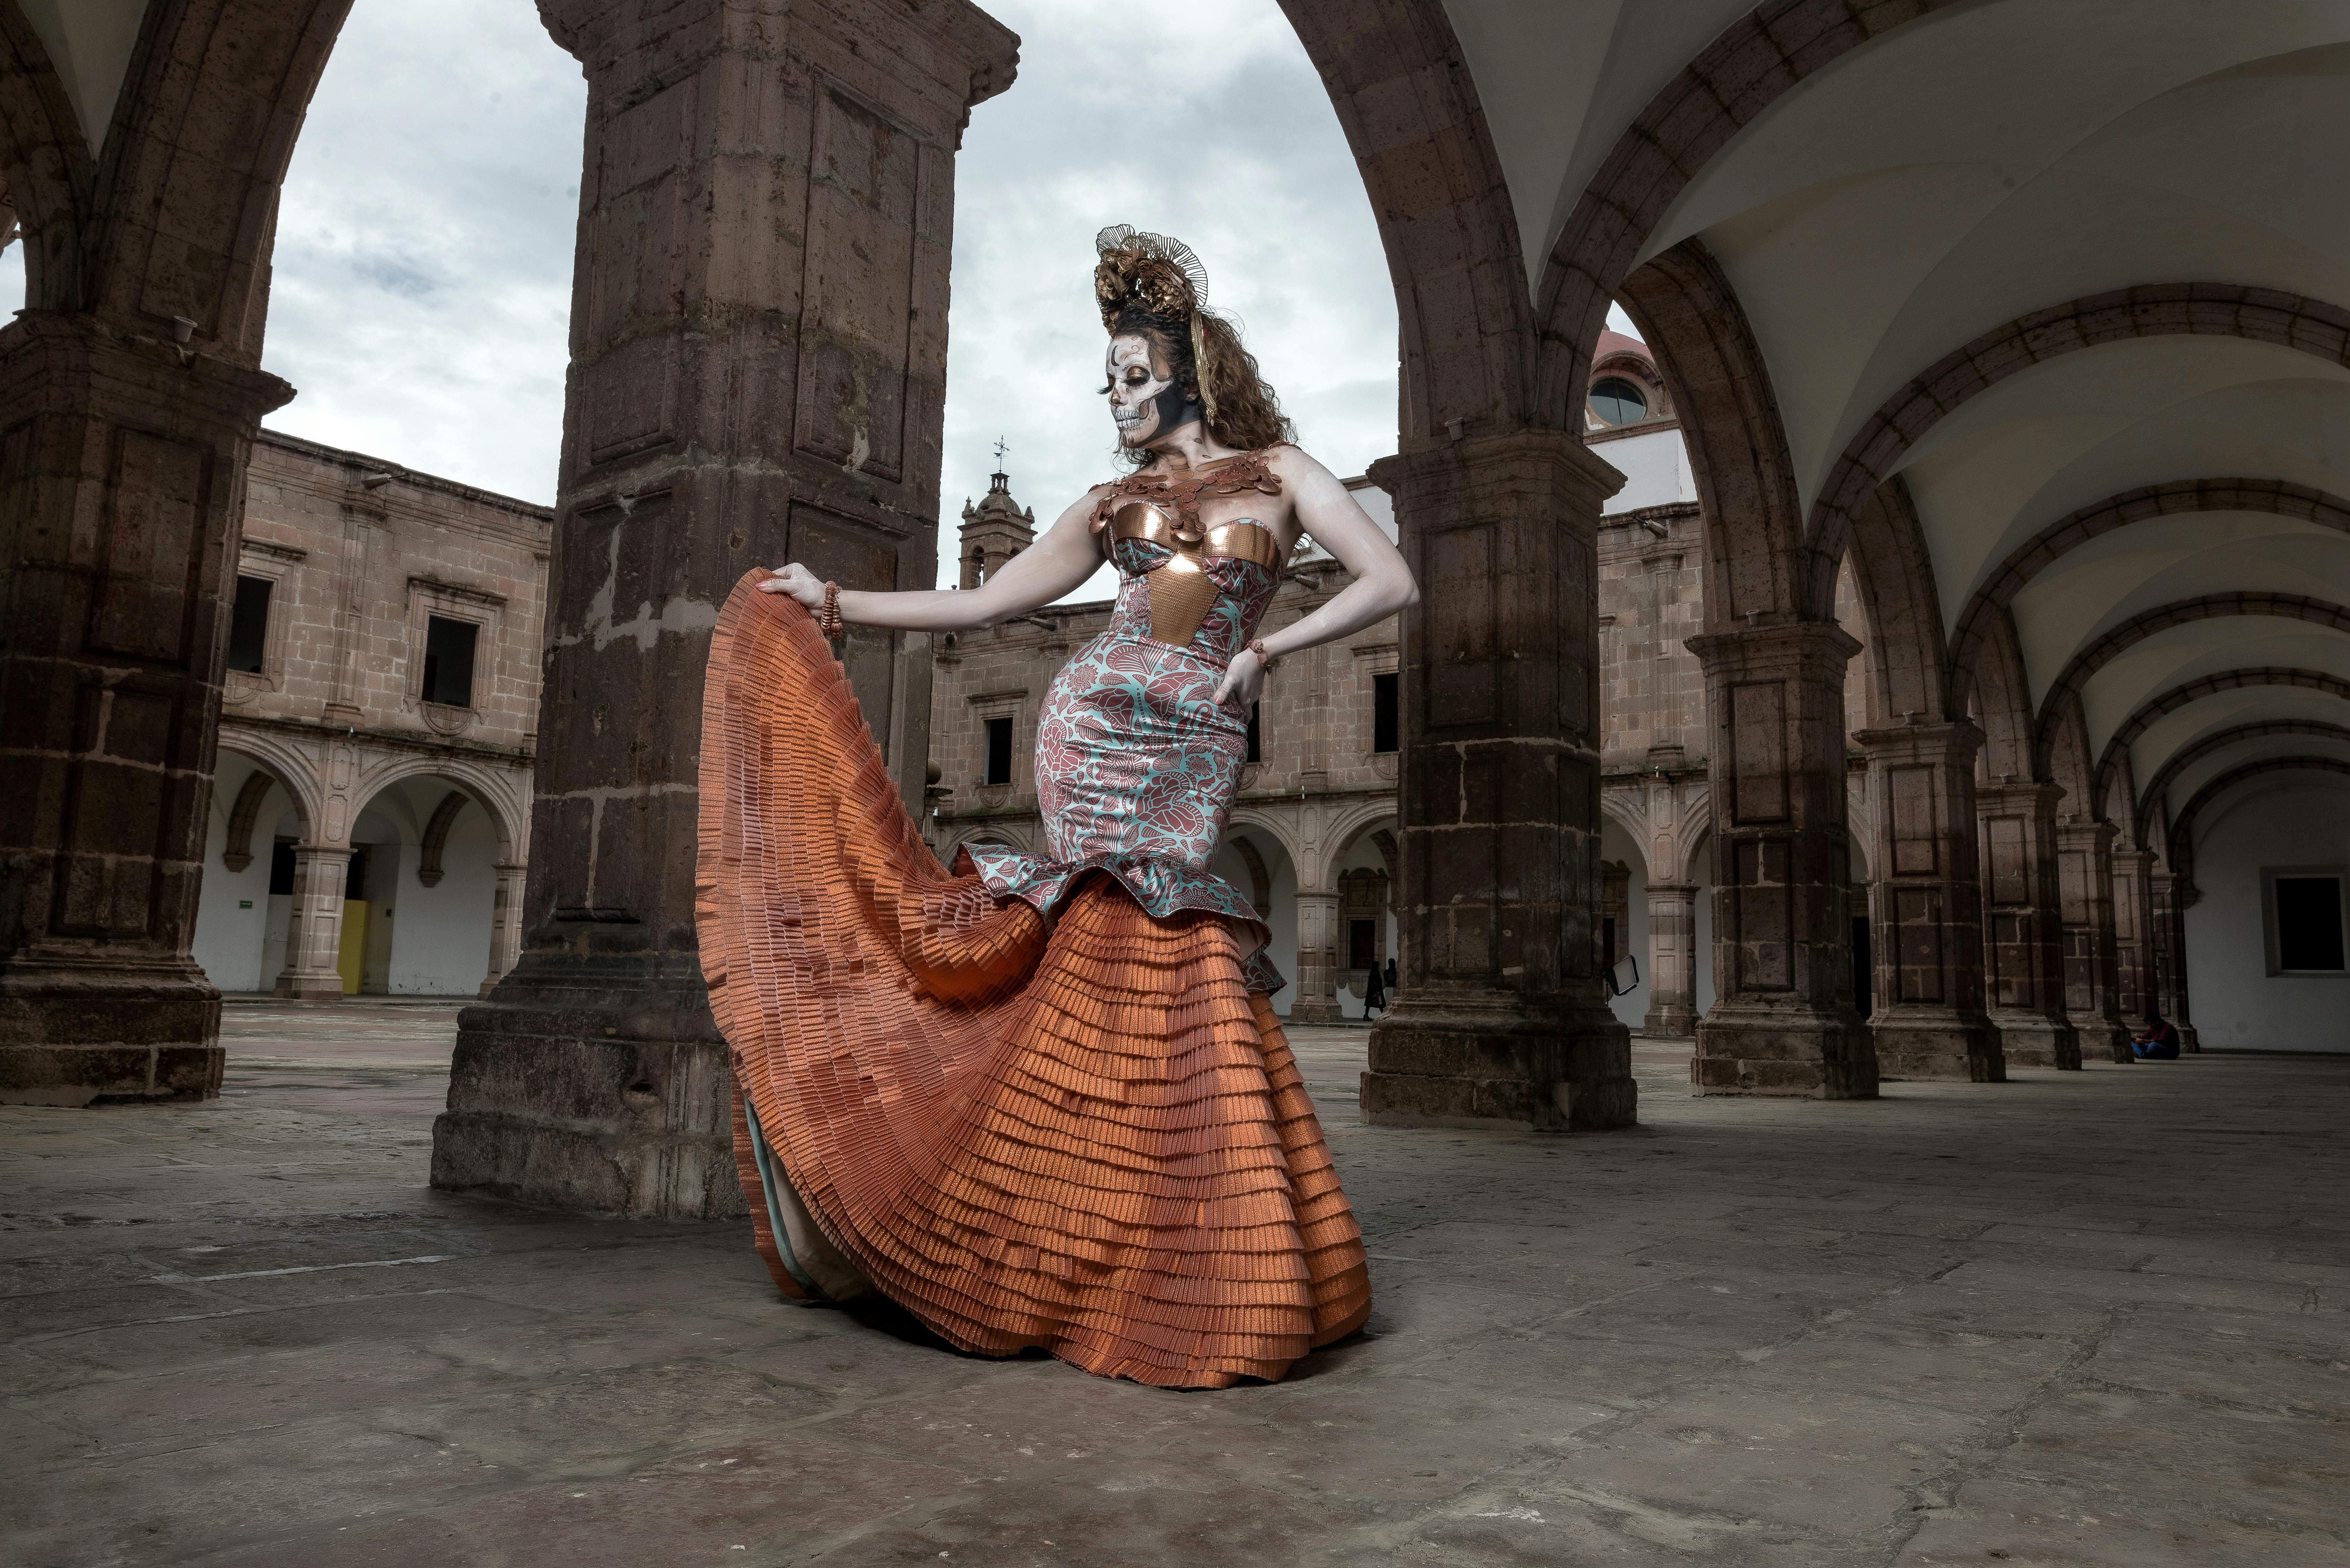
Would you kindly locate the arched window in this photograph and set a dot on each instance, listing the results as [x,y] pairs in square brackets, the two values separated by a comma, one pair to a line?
[1616,402]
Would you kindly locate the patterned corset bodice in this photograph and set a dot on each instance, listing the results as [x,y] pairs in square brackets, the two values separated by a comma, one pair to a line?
[1136,763]
[1207,605]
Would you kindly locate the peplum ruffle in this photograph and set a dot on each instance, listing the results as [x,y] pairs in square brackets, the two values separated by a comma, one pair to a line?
[1162,888]
[1085,1134]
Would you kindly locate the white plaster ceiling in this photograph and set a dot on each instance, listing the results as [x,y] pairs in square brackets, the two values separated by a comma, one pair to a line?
[2189,652]
[2254,791]
[2203,770]
[90,42]
[2092,589]
[2222,710]
[1560,80]
[1968,167]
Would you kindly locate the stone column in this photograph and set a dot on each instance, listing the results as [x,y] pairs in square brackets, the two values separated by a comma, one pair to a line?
[1673,961]
[1316,999]
[2024,937]
[2182,893]
[2085,883]
[1782,1021]
[313,924]
[1927,911]
[2134,934]
[1502,1017]
[122,481]
[505,924]
[758,342]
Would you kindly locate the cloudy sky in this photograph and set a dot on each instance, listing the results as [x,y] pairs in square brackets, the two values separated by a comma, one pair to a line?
[423,275]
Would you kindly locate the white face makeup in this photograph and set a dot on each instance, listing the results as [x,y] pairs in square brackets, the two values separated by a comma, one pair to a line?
[1146,404]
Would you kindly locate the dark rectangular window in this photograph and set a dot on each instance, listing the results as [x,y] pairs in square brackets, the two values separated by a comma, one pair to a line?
[281,868]
[1362,944]
[2309,922]
[248,626]
[355,876]
[449,661]
[1385,731]
[1255,735]
[999,752]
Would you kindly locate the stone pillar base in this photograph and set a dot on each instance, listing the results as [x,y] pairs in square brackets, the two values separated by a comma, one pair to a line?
[1669,1022]
[308,987]
[2103,1042]
[82,1035]
[2029,1040]
[1530,1070]
[1803,1055]
[1948,1047]
[2188,1045]
[576,1089]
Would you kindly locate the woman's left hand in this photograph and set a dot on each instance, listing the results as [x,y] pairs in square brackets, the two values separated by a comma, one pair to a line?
[1244,680]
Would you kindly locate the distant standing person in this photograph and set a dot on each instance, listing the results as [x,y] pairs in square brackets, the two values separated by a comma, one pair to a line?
[1374,993]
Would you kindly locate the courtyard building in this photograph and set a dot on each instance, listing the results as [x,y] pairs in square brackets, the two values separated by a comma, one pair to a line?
[369,818]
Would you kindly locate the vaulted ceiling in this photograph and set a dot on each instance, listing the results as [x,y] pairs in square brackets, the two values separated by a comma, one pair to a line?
[1996,162]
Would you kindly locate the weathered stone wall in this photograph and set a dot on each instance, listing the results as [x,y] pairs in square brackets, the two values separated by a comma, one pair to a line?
[358,553]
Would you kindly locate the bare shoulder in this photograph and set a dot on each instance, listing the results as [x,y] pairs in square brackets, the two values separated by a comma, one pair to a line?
[1297,466]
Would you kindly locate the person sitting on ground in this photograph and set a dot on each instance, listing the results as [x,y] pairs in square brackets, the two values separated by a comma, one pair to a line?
[2158,1041]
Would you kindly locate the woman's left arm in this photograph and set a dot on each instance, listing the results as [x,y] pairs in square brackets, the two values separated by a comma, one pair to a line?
[1382,584]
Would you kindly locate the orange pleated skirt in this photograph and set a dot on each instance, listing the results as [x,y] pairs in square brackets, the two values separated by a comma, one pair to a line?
[1084,1135]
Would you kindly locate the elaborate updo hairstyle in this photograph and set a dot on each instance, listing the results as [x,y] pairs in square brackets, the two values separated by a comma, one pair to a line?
[1154,287]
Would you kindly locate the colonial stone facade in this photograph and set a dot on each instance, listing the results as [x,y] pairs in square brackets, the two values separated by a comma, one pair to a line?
[370,807]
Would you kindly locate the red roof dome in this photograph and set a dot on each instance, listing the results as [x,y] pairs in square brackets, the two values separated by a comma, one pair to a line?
[1617,343]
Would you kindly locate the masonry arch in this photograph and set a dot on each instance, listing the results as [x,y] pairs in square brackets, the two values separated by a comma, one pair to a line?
[2191,765]
[1255,855]
[2189,710]
[2068,693]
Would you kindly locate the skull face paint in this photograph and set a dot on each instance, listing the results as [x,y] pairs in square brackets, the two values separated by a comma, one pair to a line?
[1145,400]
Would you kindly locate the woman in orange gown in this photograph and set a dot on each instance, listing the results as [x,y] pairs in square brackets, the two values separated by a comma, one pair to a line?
[1046,1101]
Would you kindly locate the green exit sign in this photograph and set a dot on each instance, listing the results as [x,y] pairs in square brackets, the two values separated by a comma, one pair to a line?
[244,903]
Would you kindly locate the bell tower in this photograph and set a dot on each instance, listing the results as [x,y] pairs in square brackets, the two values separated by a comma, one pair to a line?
[995,530]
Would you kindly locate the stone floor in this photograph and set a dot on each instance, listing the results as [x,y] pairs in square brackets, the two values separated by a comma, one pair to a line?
[2091,1318]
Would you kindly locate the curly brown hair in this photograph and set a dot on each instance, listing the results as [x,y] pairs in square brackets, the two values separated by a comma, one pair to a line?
[1247,411]
[1154,287]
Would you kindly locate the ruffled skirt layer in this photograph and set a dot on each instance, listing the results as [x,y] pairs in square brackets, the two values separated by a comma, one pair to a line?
[1088,1136]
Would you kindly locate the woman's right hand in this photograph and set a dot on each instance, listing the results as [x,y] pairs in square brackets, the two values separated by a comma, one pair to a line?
[800,583]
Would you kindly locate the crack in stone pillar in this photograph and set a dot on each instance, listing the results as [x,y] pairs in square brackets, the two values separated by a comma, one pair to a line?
[313,924]
[1782,1020]
[122,476]
[758,374]
[2084,882]
[2023,934]
[1925,906]
[1673,961]
[1501,1019]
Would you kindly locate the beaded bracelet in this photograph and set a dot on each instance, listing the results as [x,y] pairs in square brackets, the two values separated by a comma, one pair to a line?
[1264,659]
[827,620]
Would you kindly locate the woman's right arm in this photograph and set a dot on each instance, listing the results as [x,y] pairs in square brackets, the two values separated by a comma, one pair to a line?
[1055,564]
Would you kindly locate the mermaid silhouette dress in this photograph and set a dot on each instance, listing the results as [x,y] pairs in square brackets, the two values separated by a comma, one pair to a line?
[1036,1101]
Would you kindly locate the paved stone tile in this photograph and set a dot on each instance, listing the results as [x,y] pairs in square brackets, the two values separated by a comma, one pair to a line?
[2040,1525]
[1792,1336]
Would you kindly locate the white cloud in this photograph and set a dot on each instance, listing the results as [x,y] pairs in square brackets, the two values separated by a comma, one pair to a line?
[423,275]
